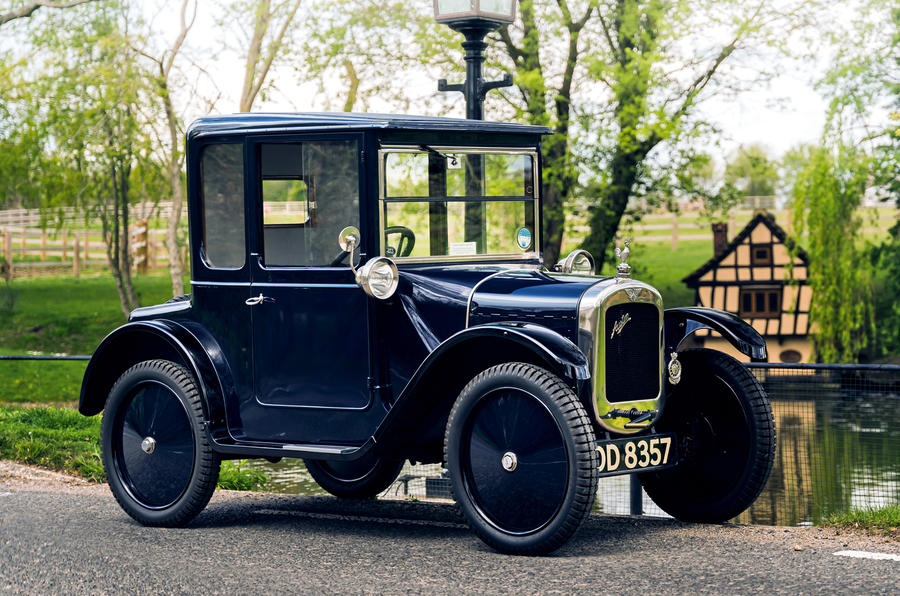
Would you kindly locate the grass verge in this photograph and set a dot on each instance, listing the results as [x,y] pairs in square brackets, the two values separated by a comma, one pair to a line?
[61,439]
[882,520]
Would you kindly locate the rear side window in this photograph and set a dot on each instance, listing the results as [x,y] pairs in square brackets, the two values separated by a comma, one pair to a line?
[222,182]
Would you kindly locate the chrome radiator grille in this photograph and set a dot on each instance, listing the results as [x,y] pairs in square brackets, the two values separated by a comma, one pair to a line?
[632,353]
[620,331]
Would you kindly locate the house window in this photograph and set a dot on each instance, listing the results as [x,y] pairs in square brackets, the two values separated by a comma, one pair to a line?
[760,254]
[758,302]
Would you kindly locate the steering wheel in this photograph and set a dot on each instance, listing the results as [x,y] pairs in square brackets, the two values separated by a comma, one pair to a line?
[339,259]
[404,246]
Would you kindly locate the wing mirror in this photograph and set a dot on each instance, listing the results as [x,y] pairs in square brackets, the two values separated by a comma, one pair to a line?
[379,276]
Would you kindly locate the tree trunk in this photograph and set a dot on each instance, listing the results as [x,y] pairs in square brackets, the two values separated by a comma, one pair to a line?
[176,267]
[125,242]
[555,191]
[607,214]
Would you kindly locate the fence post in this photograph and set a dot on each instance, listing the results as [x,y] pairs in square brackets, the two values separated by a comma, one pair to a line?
[65,241]
[76,262]
[139,240]
[674,231]
[7,251]
[22,244]
[43,245]
[636,505]
[87,245]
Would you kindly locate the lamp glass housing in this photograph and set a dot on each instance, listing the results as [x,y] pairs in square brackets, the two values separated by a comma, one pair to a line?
[498,11]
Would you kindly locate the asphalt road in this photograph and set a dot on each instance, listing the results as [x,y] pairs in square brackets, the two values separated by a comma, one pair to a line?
[76,540]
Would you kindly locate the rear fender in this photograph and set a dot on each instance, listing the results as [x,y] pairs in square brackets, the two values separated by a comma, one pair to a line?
[682,322]
[158,339]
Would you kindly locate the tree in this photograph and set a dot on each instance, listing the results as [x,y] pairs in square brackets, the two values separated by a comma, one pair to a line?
[863,86]
[752,172]
[83,115]
[659,62]
[27,9]
[268,39]
[173,155]
[827,193]
[614,80]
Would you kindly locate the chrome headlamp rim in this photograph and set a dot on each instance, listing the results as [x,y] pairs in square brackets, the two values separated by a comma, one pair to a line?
[364,277]
[567,265]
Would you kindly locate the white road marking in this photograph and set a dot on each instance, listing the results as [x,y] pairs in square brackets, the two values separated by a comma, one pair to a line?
[863,554]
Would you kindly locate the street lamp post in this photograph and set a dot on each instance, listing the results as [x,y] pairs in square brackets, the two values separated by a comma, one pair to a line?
[475,19]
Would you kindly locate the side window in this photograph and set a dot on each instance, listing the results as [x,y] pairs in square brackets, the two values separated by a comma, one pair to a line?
[310,192]
[222,183]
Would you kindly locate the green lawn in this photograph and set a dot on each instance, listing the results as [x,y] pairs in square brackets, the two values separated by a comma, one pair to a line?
[884,520]
[61,314]
[61,439]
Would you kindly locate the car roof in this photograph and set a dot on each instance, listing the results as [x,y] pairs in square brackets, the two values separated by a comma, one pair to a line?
[278,122]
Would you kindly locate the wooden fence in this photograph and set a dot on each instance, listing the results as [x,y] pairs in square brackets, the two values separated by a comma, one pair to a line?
[30,251]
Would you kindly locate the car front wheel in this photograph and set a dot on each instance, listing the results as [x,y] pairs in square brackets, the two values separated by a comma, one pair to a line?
[726,431]
[158,460]
[521,453]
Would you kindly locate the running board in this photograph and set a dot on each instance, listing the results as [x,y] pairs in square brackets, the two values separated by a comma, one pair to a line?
[311,451]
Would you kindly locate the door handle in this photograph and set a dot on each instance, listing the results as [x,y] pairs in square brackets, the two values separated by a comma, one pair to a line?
[258,300]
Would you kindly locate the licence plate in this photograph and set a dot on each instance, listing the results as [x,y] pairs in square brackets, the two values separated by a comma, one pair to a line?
[648,452]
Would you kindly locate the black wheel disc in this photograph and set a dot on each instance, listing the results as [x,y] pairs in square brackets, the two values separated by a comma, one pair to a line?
[718,439]
[154,445]
[525,499]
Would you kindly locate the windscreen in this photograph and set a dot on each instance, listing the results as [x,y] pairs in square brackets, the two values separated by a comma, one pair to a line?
[458,202]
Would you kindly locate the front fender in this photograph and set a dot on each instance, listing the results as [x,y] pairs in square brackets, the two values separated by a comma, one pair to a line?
[681,322]
[419,414]
[147,340]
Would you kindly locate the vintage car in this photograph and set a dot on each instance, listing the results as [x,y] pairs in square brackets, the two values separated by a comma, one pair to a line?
[368,290]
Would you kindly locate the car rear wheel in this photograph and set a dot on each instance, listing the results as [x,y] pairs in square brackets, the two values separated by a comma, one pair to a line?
[521,453]
[726,433]
[158,460]
[361,478]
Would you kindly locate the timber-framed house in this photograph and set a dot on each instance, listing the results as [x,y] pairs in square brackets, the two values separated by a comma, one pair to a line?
[752,277]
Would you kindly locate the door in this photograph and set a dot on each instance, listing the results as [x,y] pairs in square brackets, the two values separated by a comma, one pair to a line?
[310,327]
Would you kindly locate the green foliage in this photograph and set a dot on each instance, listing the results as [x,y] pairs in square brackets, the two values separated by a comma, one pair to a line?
[234,476]
[826,194]
[752,171]
[57,439]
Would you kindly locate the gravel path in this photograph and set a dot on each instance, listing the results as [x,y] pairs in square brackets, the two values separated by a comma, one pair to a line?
[63,535]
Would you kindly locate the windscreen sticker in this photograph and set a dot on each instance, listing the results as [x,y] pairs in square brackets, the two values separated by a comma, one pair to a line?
[523,238]
[459,249]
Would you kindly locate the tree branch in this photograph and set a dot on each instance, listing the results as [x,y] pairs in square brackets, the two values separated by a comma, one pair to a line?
[27,10]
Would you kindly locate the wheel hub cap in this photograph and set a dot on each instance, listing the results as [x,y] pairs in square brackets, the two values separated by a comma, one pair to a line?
[509,461]
[148,445]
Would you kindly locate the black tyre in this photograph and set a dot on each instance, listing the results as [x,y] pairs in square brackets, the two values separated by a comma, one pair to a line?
[156,454]
[521,453]
[362,478]
[726,434]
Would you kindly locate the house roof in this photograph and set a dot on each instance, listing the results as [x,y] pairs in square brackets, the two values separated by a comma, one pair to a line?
[761,217]
[257,122]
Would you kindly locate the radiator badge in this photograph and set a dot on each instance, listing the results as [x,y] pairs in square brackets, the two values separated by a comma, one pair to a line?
[620,324]
[674,369]
[633,293]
